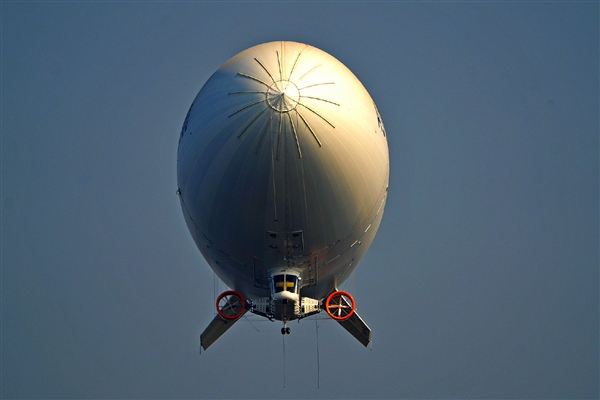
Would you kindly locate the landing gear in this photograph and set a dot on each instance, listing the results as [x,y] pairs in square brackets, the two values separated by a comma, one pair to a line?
[285,329]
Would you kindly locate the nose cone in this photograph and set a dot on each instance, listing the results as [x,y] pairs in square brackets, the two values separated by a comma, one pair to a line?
[283,96]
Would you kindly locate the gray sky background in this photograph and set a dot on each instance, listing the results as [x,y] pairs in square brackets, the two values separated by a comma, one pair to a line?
[482,281]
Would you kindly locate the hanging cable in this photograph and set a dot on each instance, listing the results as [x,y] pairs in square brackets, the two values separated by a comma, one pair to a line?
[214,290]
[323,320]
[283,336]
[318,358]
[248,319]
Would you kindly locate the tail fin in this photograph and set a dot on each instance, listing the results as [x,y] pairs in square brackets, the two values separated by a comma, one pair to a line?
[215,329]
[341,307]
[357,328]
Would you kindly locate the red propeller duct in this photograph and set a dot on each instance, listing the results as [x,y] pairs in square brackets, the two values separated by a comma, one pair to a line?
[340,305]
[231,304]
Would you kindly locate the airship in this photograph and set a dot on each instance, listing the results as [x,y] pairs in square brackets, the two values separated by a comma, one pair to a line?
[282,175]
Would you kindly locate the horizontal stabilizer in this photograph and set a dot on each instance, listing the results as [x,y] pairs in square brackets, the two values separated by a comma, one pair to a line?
[357,328]
[215,329]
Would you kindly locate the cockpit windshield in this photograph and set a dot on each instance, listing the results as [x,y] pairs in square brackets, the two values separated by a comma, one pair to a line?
[285,282]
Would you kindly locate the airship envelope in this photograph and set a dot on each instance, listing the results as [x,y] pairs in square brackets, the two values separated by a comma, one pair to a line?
[282,172]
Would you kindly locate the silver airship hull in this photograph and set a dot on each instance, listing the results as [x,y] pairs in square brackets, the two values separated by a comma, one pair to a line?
[283,165]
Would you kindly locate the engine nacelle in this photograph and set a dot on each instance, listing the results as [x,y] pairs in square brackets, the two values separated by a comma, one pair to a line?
[231,305]
[340,305]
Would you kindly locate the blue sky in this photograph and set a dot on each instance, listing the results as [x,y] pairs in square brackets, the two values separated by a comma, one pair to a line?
[481,283]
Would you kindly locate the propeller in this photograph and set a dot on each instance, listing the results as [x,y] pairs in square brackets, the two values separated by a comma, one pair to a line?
[231,304]
[340,305]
